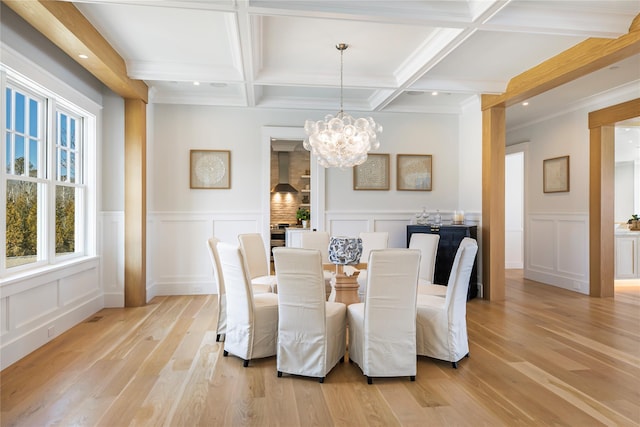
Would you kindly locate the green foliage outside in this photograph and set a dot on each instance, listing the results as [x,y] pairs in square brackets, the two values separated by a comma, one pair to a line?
[22,219]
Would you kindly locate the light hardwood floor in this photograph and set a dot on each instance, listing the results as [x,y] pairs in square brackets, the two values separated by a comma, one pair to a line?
[543,357]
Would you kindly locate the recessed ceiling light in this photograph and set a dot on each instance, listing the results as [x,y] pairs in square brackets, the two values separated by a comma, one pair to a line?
[525,103]
[83,56]
[196,83]
[434,93]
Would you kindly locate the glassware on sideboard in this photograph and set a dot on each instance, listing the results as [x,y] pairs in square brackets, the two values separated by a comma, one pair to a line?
[437,218]
[422,218]
[458,217]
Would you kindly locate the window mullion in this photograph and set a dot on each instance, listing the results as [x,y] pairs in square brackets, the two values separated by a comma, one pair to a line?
[50,184]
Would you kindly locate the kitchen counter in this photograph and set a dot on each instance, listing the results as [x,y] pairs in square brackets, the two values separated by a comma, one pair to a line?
[624,231]
[627,258]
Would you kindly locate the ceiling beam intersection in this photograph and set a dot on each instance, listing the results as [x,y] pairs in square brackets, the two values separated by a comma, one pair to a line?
[66,27]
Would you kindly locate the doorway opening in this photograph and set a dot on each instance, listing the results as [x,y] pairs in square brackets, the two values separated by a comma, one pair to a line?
[514,209]
[315,180]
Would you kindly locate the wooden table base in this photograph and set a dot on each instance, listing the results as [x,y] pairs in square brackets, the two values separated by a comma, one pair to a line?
[346,286]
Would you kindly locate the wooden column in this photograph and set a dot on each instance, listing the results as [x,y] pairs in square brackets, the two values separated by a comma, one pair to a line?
[493,217]
[135,203]
[601,204]
[601,194]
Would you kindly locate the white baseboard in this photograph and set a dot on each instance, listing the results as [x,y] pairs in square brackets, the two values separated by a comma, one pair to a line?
[114,300]
[558,281]
[203,288]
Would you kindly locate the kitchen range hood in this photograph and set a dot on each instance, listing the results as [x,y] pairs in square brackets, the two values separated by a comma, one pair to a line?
[283,185]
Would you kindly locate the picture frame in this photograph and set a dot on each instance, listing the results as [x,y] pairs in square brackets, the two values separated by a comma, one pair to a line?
[555,175]
[373,174]
[414,172]
[210,169]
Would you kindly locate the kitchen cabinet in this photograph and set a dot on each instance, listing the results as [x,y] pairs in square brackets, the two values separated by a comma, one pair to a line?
[627,262]
[450,238]
[294,237]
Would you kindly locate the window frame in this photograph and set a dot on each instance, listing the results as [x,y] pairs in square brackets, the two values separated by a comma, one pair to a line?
[85,237]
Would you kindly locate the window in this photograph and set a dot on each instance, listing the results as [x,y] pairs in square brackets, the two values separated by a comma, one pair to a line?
[43,178]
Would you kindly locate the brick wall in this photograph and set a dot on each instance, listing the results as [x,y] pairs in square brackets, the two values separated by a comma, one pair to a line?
[284,206]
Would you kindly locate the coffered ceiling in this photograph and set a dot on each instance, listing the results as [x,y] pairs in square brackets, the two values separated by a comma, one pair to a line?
[281,54]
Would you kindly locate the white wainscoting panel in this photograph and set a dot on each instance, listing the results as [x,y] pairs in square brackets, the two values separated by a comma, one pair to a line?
[178,261]
[77,288]
[351,224]
[347,226]
[151,290]
[558,250]
[542,244]
[39,306]
[111,251]
[513,249]
[33,304]
[573,248]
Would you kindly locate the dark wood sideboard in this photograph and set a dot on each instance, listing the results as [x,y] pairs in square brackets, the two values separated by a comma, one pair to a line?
[450,238]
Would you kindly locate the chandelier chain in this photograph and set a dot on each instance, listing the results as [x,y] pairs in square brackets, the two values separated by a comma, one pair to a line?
[341,80]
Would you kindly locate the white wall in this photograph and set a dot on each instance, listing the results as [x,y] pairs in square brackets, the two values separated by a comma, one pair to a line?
[624,191]
[181,219]
[111,159]
[470,158]
[180,128]
[557,224]
[514,209]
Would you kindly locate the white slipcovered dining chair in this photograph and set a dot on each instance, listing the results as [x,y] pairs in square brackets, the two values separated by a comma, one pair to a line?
[311,331]
[442,320]
[218,277]
[222,297]
[428,246]
[371,240]
[382,329]
[252,319]
[319,240]
[257,261]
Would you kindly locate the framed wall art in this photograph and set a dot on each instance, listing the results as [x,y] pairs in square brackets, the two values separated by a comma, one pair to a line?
[373,174]
[210,169]
[555,175]
[414,172]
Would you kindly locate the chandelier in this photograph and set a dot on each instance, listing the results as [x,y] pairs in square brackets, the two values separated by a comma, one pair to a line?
[341,141]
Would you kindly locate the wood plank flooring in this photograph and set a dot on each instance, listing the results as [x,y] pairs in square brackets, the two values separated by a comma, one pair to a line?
[544,356]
